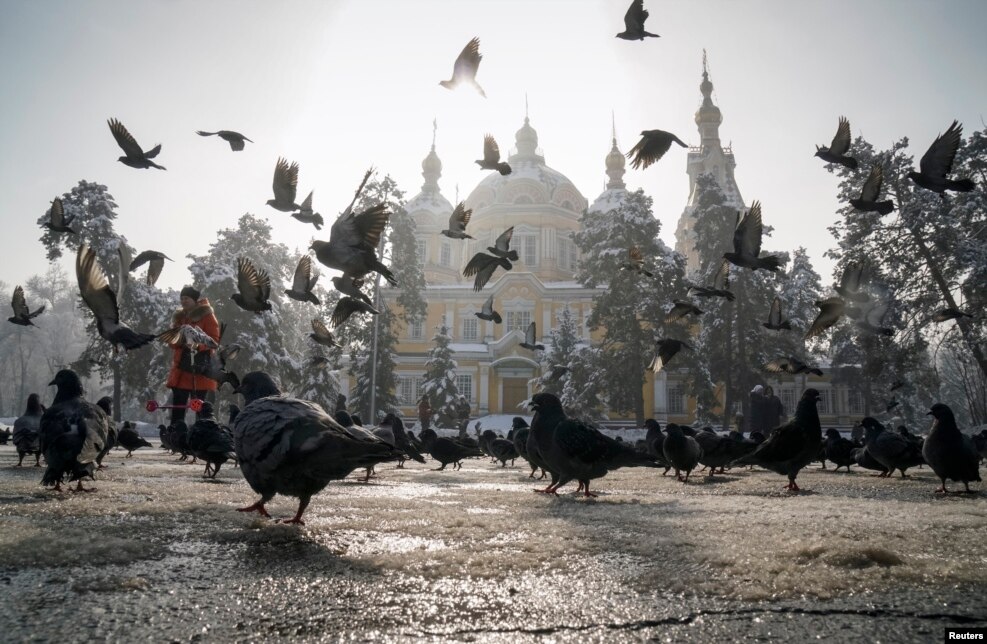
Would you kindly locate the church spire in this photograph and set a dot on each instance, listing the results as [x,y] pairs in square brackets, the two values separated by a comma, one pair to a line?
[432,166]
[615,160]
[708,116]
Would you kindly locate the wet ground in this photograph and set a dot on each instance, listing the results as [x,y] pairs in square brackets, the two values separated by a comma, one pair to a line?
[159,554]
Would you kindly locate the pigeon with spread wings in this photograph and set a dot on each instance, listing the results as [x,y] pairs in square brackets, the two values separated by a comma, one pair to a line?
[830,311]
[483,266]
[458,221]
[102,301]
[347,307]
[22,315]
[720,287]
[58,222]
[837,150]
[307,215]
[235,139]
[870,192]
[776,321]
[304,282]
[634,23]
[465,68]
[491,157]
[134,155]
[530,339]
[285,186]
[321,335]
[155,263]
[937,163]
[488,313]
[667,348]
[747,243]
[254,287]
[652,147]
[791,365]
[680,309]
[502,247]
[635,262]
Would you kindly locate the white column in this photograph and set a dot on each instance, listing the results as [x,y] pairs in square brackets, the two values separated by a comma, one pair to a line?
[484,385]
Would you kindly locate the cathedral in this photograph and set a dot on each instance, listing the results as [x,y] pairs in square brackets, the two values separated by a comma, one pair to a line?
[544,207]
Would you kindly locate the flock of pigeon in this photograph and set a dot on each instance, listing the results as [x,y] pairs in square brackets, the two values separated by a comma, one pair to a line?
[285,445]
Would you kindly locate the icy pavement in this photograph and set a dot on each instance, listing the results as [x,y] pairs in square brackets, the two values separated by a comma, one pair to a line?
[159,554]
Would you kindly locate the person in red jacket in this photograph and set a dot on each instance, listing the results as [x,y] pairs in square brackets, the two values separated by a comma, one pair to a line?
[184,385]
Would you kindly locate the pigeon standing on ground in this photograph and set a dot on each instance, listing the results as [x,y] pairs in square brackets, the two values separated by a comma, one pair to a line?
[891,450]
[950,453]
[446,450]
[401,439]
[57,221]
[839,450]
[634,23]
[491,157]
[530,340]
[290,446]
[747,243]
[720,451]
[937,163]
[720,287]
[776,321]
[27,427]
[681,451]
[521,431]
[870,192]
[156,264]
[837,150]
[134,156]
[22,315]
[503,450]
[253,286]
[654,441]
[458,220]
[667,348]
[652,147]
[465,68]
[487,312]
[208,441]
[130,440]
[235,139]
[73,432]
[307,215]
[285,186]
[864,459]
[482,266]
[102,301]
[304,282]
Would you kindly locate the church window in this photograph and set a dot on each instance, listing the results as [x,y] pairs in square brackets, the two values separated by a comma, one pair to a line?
[464,383]
[409,390]
[676,398]
[422,251]
[445,254]
[517,321]
[415,330]
[471,328]
[856,401]
[527,247]
[787,396]
[825,402]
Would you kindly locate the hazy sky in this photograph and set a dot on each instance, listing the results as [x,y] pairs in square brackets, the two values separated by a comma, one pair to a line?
[338,86]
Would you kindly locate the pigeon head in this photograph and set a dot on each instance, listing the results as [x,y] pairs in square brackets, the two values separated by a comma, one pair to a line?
[106,404]
[206,411]
[518,423]
[388,420]
[810,394]
[832,433]
[257,384]
[357,420]
[871,423]
[651,423]
[428,436]
[941,412]
[489,434]
[67,380]
[671,429]
[545,402]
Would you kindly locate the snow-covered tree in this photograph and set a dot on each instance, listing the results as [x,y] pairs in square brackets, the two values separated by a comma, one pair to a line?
[440,378]
[584,384]
[565,341]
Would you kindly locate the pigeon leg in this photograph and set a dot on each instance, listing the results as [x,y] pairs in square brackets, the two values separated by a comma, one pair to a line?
[256,507]
[297,519]
[215,470]
[542,475]
[129,454]
[903,475]
[79,488]
[37,460]
[20,460]
[400,465]
[792,486]
[686,479]
[532,475]
[439,469]
[586,492]
[580,488]
[665,473]
[58,486]
[100,467]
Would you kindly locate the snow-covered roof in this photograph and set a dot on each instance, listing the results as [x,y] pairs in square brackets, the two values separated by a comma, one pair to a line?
[467,347]
[609,200]
[430,201]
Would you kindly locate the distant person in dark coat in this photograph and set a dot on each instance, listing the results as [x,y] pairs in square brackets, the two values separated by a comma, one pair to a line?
[424,413]
[755,423]
[774,411]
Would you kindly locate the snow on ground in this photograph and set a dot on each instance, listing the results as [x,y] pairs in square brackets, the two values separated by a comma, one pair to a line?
[159,553]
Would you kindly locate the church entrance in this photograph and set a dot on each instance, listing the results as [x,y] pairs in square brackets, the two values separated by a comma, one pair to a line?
[515,390]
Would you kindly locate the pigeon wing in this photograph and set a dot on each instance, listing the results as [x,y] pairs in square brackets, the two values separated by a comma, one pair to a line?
[830,311]
[635,16]
[320,330]
[938,159]
[721,281]
[154,270]
[503,242]
[479,262]
[460,218]
[19,304]
[529,334]
[251,282]
[125,140]
[774,315]
[303,282]
[346,307]
[747,237]
[285,183]
[95,288]
[487,306]
[491,151]
[370,224]
[872,187]
[874,315]
[468,61]
[841,142]
[779,365]
[307,204]
[484,274]
[57,213]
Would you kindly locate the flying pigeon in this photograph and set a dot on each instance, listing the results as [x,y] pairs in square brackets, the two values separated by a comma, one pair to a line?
[488,313]
[557,371]
[667,348]
[652,147]
[776,322]
[871,191]
[187,335]
[285,186]
[254,287]
[235,139]
[491,157]
[721,285]
[950,453]
[318,361]
[321,335]
[134,156]
[73,432]
[483,267]
[791,365]
[853,282]
[308,216]
[465,67]
[634,23]
[937,162]
[944,315]
[304,282]
[747,243]
[102,301]
[349,286]
[680,309]
[872,319]
[635,262]
[830,311]
[155,266]
[502,246]
[22,315]
[529,340]
[458,221]
[837,150]
[58,222]
[347,307]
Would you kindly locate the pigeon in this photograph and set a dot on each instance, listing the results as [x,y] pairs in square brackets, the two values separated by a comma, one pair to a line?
[937,162]
[58,222]
[187,335]
[556,371]
[307,215]
[791,365]
[179,440]
[73,432]
[458,221]
[501,247]
[793,445]
[579,452]
[652,147]
[538,445]
[776,322]
[487,312]
[156,260]
[636,262]
[853,282]
[720,451]
[634,23]
[130,440]
[863,458]
[285,186]
[351,287]
[446,450]
[893,451]
[721,285]
[401,439]
[209,441]
[235,139]
[22,315]
[482,266]
[346,307]
[491,157]
[321,335]
[134,156]
[293,447]
[102,301]
[503,450]
[304,282]
[944,315]
[353,241]
[747,243]
[681,451]
[253,287]
[872,319]
[667,348]
[830,311]
[870,191]
[106,404]
[529,340]
[654,441]
[680,309]
[27,427]
[484,441]
[465,68]
[521,432]
[839,450]
[318,361]
[950,453]
[837,150]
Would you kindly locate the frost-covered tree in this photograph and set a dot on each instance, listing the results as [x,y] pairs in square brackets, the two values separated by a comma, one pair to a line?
[632,307]
[440,378]
[565,341]
[584,384]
